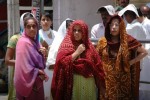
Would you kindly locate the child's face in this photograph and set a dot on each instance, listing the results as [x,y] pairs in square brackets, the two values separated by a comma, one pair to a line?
[46,23]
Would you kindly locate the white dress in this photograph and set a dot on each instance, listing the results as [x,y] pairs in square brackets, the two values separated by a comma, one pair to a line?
[49,41]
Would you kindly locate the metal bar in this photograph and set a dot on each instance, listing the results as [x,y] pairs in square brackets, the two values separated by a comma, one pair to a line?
[142,41]
[3,21]
[30,8]
[145,82]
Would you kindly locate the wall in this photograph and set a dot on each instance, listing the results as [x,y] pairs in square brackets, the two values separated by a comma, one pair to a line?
[77,9]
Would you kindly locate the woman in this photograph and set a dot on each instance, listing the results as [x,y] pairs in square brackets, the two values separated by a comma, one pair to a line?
[30,64]
[57,41]
[52,57]
[78,71]
[10,55]
[47,36]
[46,33]
[120,55]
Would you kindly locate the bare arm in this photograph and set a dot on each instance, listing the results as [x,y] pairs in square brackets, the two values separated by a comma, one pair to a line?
[9,58]
[142,53]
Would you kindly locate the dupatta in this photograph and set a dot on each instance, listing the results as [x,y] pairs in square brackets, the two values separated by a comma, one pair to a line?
[87,65]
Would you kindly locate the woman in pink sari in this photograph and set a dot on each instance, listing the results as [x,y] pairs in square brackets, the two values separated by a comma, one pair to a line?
[30,64]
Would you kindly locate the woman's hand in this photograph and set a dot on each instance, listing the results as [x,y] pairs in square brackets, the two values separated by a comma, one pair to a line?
[131,62]
[78,51]
[43,51]
[43,75]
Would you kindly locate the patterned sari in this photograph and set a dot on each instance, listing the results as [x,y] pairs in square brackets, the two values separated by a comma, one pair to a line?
[122,80]
[87,65]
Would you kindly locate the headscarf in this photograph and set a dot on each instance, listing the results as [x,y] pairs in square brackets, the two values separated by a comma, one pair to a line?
[28,62]
[87,65]
[126,43]
[126,51]
[130,7]
[56,43]
[110,9]
[22,21]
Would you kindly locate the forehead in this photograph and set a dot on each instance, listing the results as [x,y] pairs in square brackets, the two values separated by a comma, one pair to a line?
[44,16]
[115,20]
[104,12]
[77,26]
[31,21]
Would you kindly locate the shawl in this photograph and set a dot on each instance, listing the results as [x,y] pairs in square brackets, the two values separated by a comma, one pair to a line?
[44,35]
[127,43]
[126,51]
[87,65]
[28,61]
[56,43]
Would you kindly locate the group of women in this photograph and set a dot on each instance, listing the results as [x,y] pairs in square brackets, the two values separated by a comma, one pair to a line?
[81,72]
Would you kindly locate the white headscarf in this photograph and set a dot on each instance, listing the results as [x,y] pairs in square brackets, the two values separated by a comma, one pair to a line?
[110,9]
[130,7]
[22,21]
[56,43]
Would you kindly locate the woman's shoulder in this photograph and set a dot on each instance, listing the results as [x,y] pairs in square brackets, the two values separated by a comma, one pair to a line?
[24,41]
[13,40]
[102,42]
[15,36]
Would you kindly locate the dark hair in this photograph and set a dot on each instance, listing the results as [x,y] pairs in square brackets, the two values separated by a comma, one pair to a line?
[46,14]
[28,14]
[107,28]
[131,14]
[26,20]
[139,12]
[68,22]
[102,9]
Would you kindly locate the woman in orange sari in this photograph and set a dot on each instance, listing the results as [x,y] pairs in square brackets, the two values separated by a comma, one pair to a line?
[120,54]
[78,72]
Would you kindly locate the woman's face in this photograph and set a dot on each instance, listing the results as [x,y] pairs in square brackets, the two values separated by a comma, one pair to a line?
[114,27]
[46,23]
[77,32]
[31,28]
[123,3]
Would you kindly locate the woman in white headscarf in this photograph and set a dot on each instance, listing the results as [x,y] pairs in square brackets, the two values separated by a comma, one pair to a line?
[57,41]
[47,35]
[53,53]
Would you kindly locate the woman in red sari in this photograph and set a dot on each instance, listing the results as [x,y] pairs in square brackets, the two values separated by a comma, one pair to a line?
[78,71]
[120,54]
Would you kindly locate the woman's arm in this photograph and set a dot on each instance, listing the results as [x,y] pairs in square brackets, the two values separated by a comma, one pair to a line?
[142,53]
[78,51]
[9,58]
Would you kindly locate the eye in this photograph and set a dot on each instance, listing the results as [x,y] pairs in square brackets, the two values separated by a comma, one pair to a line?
[75,30]
[29,26]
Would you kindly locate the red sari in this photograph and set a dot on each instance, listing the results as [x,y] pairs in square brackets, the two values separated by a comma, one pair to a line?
[87,65]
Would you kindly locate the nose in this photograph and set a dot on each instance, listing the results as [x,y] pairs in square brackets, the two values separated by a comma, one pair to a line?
[76,31]
[46,21]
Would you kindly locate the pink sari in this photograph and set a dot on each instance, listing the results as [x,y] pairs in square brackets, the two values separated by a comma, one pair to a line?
[28,61]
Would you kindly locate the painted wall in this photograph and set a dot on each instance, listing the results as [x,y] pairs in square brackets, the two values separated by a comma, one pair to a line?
[78,9]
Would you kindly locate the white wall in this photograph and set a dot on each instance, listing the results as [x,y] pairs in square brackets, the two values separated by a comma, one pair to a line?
[78,9]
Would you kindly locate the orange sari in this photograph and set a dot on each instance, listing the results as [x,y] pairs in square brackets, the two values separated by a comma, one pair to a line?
[122,80]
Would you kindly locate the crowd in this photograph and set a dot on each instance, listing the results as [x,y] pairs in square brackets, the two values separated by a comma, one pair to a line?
[65,64]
